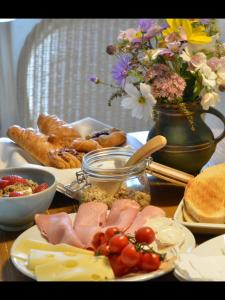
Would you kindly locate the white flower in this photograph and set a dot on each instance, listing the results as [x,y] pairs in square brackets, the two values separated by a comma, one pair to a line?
[140,102]
[210,99]
[156,52]
[208,76]
[198,60]
[186,54]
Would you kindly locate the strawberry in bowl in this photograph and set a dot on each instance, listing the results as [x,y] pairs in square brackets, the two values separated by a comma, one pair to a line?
[23,193]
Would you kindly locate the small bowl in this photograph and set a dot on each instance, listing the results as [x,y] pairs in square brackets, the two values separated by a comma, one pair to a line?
[17,213]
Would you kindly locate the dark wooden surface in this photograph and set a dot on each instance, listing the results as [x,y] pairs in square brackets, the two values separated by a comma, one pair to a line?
[164,195]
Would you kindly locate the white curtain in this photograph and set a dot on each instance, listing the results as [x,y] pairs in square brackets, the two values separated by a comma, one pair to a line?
[8,102]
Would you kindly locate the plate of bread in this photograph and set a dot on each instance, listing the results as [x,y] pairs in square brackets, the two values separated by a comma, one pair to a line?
[202,209]
[59,146]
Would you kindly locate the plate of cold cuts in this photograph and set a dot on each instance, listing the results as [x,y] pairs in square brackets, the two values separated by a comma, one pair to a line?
[60,246]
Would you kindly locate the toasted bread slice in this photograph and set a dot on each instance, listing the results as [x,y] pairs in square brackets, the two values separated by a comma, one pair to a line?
[204,196]
[187,217]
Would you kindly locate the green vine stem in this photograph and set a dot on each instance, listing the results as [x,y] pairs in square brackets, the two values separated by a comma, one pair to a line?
[188,115]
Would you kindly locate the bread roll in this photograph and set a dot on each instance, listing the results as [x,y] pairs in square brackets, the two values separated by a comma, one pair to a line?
[204,197]
[51,124]
[110,137]
[65,158]
[84,145]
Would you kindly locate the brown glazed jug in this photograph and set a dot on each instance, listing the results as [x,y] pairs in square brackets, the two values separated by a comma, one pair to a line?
[186,150]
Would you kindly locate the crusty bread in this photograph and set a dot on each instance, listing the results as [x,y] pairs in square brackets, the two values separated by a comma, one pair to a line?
[45,149]
[65,158]
[112,137]
[83,145]
[33,142]
[188,218]
[204,196]
[51,124]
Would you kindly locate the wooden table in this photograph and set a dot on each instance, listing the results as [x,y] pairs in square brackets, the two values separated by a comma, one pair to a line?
[164,195]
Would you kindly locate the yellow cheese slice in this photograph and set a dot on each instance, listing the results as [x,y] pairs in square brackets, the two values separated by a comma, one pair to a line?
[24,246]
[68,266]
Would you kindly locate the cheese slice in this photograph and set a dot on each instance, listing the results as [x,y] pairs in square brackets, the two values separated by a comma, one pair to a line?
[24,246]
[68,266]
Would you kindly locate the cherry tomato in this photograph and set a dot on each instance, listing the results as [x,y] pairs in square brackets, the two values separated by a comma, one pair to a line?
[110,232]
[117,243]
[119,268]
[15,179]
[41,187]
[98,239]
[103,249]
[145,235]
[4,183]
[15,194]
[130,256]
[149,262]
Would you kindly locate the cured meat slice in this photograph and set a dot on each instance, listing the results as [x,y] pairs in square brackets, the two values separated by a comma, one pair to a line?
[143,216]
[57,228]
[90,218]
[122,214]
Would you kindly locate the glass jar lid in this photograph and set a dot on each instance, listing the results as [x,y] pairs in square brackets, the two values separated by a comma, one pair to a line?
[110,163]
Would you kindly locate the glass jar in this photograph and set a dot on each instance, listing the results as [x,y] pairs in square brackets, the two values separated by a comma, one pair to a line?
[104,177]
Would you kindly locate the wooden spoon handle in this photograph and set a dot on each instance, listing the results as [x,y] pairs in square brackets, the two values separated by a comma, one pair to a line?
[169,173]
[153,145]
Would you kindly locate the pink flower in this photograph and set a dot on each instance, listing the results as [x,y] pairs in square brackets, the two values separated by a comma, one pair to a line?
[213,63]
[157,70]
[170,87]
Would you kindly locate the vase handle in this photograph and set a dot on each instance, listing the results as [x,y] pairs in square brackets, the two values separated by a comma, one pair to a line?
[215,112]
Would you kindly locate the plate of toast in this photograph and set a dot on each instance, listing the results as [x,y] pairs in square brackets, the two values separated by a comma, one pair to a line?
[202,209]
[59,146]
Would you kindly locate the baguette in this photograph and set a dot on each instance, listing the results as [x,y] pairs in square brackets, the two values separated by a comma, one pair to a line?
[33,142]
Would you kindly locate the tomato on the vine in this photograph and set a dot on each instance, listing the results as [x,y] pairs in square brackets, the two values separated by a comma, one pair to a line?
[110,232]
[145,235]
[130,256]
[118,242]
[149,262]
[119,268]
[98,239]
[103,249]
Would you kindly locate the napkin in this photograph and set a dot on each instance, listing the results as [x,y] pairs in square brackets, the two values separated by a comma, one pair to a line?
[194,267]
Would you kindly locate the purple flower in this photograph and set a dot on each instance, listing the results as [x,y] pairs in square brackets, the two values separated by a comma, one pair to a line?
[121,68]
[94,79]
[164,26]
[145,24]
[204,21]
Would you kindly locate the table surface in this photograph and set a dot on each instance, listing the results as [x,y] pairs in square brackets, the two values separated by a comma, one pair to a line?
[164,195]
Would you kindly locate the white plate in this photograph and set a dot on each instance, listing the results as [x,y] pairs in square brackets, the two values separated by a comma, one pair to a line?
[34,234]
[202,228]
[214,246]
[12,155]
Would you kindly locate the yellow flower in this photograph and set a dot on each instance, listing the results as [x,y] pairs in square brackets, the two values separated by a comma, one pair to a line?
[194,35]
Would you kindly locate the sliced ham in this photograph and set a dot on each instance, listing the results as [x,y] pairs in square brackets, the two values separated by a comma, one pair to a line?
[90,218]
[57,228]
[143,216]
[122,214]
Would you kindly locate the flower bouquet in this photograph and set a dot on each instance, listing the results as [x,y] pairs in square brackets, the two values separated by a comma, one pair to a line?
[177,61]
[172,70]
